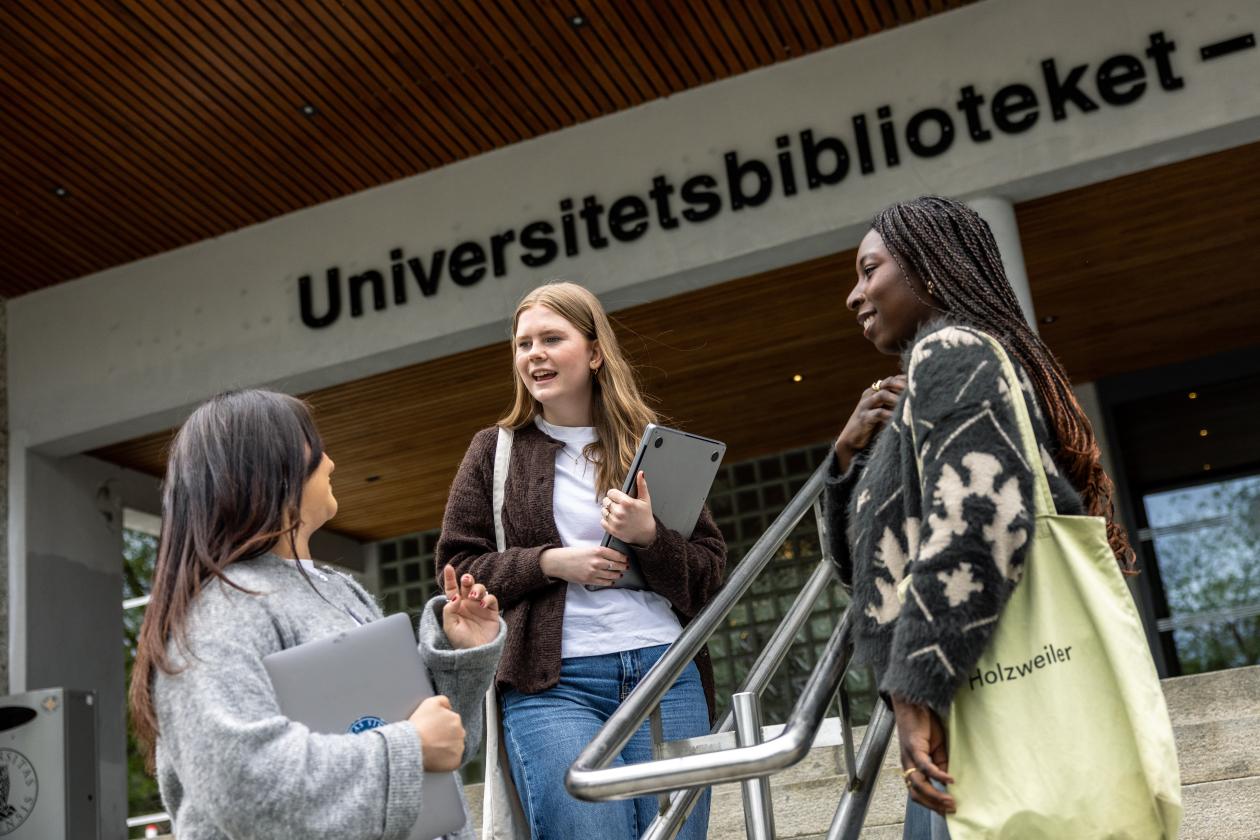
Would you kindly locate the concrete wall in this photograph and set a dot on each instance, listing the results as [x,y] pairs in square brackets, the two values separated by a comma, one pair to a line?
[69,606]
[126,351]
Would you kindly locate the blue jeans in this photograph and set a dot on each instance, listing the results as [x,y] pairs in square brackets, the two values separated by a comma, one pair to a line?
[924,823]
[544,733]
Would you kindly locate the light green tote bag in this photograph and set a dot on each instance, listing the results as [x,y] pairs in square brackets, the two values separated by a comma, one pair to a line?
[1061,731]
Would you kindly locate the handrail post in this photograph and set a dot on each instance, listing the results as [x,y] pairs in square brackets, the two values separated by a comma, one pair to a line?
[851,812]
[758,807]
[657,728]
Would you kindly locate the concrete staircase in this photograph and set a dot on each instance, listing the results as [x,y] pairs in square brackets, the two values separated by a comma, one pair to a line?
[1216,718]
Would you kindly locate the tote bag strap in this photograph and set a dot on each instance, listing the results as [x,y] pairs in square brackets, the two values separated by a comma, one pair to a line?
[502,457]
[1043,500]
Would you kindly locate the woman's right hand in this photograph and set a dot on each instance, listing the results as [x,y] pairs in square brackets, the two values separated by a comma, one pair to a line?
[593,565]
[441,734]
[873,411]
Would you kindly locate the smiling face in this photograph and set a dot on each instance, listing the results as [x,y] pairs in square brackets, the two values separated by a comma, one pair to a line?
[890,306]
[555,362]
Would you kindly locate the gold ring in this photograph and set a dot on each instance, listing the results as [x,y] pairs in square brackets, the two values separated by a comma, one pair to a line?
[877,384]
[906,774]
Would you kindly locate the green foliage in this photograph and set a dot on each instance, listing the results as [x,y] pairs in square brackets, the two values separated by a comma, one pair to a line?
[139,554]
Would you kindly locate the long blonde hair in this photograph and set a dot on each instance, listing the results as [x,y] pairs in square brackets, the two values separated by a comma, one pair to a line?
[618,410]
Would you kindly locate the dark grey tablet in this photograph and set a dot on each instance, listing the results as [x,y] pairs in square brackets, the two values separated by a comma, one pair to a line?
[358,679]
[679,468]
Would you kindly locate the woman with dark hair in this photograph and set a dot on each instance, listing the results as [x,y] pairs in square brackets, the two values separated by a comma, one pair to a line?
[944,492]
[247,484]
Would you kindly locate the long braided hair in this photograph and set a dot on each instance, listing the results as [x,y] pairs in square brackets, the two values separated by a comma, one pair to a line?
[949,247]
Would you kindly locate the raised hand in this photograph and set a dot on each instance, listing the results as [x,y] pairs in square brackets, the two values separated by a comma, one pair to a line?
[872,413]
[471,615]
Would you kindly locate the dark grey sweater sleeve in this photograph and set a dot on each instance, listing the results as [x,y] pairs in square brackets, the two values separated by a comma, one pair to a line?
[975,517]
[836,495]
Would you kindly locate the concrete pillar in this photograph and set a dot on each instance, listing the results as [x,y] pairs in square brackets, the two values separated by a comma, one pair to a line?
[1000,214]
[67,597]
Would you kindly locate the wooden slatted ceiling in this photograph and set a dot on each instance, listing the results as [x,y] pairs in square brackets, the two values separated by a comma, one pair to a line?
[173,121]
[1140,271]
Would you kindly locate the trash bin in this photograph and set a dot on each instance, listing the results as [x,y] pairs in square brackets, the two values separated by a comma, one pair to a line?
[48,766]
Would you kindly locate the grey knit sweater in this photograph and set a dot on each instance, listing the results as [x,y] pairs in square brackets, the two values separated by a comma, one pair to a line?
[960,528]
[230,765]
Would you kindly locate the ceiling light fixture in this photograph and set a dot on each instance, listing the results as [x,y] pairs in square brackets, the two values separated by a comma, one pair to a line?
[1194,395]
[1203,432]
[61,192]
[1207,467]
[578,21]
[1049,319]
[797,377]
[309,110]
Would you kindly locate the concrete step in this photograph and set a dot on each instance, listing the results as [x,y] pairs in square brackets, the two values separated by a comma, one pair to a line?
[1216,721]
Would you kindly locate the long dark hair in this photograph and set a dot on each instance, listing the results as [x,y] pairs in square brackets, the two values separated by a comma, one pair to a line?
[232,491]
[949,247]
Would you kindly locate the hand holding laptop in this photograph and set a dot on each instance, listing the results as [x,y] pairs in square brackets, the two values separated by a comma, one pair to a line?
[441,734]
[628,518]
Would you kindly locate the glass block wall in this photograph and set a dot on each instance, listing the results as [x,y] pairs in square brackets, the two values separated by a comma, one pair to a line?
[745,499]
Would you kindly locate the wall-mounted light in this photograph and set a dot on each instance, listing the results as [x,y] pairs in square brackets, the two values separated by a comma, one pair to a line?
[1194,395]
[1203,432]
[797,377]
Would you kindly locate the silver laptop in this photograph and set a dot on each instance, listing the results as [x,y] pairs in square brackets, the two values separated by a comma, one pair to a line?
[679,468]
[356,680]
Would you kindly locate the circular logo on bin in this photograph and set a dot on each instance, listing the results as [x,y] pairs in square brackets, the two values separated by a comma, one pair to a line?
[19,789]
[365,723]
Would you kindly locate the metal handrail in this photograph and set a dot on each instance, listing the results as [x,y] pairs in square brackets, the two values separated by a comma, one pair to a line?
[667,823]
[684,777]
[789,747]
[590,776]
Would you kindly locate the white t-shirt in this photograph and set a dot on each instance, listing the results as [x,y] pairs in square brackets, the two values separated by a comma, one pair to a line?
[606,620]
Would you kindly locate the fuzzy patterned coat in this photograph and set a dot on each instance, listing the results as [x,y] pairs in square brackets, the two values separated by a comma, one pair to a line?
[960,526]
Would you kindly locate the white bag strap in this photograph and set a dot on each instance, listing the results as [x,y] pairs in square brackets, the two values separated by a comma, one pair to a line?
[502,816]
[502,457]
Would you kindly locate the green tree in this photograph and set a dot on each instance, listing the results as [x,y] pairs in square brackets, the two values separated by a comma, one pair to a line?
[139,555]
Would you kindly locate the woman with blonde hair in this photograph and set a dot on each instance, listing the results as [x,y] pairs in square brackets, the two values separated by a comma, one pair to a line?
[577,646]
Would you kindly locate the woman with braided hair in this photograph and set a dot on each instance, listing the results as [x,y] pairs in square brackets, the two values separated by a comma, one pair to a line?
[928,476]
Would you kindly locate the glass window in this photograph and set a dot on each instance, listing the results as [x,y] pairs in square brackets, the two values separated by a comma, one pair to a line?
[1206,541]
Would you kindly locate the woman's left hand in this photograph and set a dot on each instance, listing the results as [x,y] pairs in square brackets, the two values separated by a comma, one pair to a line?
[924,755]
[471,615]
[627,518]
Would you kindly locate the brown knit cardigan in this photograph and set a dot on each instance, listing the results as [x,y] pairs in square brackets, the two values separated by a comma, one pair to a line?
[686,571]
